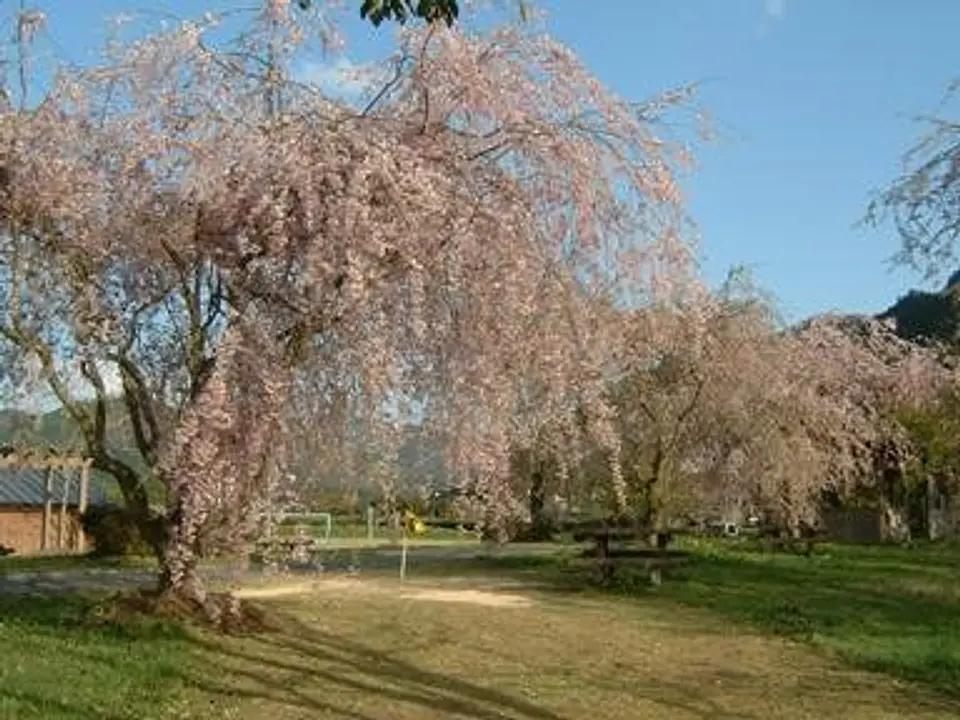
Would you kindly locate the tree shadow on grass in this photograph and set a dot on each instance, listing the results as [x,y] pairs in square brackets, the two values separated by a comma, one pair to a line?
[292,664]
[302,667]
[288,665]
[317,672]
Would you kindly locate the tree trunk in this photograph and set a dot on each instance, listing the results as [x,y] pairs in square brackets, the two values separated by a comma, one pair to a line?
[179,557]
[136,502]
[538,498]
[181,590]
[540,529]
[648,519]
[184,584]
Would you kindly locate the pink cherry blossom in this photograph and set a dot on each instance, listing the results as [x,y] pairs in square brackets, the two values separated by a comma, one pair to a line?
[231,240]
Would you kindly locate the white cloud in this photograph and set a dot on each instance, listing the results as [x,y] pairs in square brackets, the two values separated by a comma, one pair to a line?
[773,12]
[774,8]
[342,79]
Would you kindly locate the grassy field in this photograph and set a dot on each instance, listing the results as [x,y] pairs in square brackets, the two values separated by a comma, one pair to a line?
[56,667]
[849,633]
[888,609]
[893,609]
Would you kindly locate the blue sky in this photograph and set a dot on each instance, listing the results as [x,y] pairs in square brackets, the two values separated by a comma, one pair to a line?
[816,100]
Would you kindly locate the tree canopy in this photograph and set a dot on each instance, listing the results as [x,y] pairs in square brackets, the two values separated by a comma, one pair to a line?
[922,203]
[494,250]
[224,239]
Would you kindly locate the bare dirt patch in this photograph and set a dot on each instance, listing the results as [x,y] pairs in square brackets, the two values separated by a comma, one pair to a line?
[472,597]
[431,593]
[274,591]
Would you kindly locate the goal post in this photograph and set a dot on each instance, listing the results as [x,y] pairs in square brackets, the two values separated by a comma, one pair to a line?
[313,519]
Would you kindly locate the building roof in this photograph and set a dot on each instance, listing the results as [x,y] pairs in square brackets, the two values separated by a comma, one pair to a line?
[28,487]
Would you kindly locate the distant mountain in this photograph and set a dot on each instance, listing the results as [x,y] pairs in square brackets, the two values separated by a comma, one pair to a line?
[922,316]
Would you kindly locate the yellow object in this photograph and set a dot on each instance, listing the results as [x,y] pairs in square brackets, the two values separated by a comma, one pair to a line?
[414,525]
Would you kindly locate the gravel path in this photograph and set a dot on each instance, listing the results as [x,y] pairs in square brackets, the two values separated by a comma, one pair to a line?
[59,582]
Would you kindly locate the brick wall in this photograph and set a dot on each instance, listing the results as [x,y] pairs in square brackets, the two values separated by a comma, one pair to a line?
[22,529]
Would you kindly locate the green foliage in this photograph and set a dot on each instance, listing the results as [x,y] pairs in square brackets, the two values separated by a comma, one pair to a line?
[336,502]
[402,10]
[934,430]
[376,11]
[114,532]
[447,11]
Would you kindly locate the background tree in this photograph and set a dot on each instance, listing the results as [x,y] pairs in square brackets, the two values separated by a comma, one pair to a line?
[746,415]
[932,476]
[849,377]
[683,364]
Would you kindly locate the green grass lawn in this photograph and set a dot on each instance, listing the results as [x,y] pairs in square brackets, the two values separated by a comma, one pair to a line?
[56,667]
[852,633]
[891,609]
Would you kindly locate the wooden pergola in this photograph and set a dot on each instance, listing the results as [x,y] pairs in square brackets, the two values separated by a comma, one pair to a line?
[50,462]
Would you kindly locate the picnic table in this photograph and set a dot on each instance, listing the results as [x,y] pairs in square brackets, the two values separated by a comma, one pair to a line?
[654,559]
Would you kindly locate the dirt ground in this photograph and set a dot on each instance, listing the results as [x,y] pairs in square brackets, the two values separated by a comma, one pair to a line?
[367,649]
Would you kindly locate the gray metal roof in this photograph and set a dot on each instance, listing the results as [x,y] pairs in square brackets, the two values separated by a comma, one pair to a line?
[28,487]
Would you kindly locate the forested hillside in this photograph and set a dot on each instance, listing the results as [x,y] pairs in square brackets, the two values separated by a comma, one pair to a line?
[926,316]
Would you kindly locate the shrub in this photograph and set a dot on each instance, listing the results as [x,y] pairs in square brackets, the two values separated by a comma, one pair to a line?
[113,532]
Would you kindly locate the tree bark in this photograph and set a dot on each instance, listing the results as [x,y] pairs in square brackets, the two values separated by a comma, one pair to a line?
[179,563]
[649,517]
[187,584]
[540,528]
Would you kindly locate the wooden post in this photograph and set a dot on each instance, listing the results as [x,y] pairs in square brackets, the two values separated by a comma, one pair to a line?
[47,509]
[403,555]
[83,502]
[61,526]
